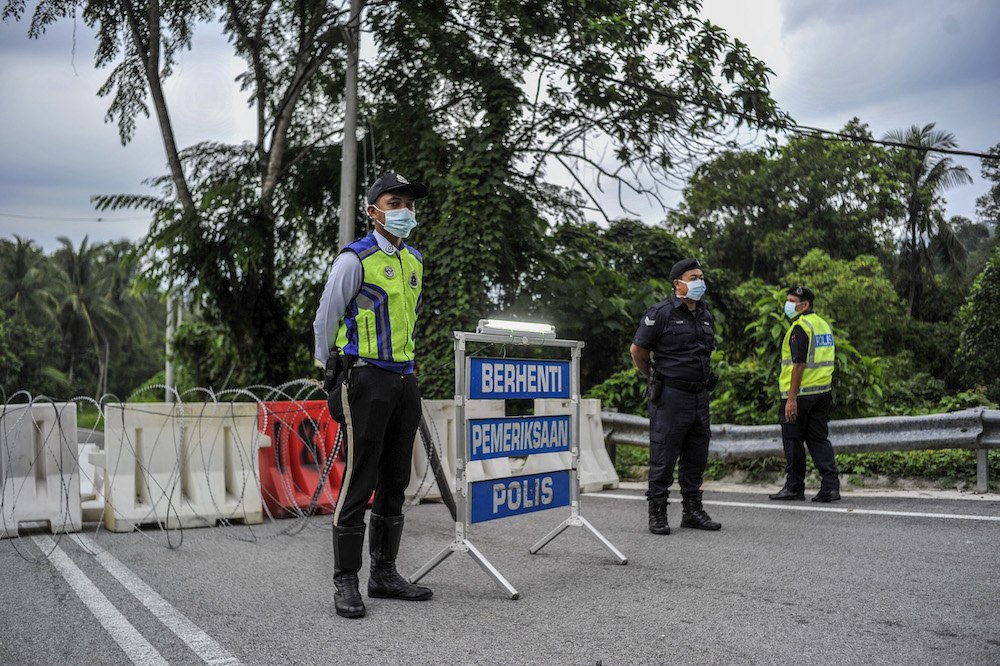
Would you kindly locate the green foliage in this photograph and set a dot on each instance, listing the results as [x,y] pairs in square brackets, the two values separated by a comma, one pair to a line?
[856,295]
[444,100]
[628,460]
[929,347]
[988,205]
[946,465]
[206,357]
[978,354]
[925,175]
[624,391]
[29,357]
[732,303]
[908,390]
[756,212]
[594,285]
[27,281]
[748,391]
[75,325]
[978,240]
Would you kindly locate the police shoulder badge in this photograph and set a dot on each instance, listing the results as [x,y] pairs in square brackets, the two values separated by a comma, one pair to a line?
[413,280]
[389,273]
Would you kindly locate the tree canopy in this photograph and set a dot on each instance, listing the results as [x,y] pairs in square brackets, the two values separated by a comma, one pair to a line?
[756,212]
[479,99]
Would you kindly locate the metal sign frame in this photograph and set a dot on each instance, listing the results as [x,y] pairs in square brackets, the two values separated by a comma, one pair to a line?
[462,543]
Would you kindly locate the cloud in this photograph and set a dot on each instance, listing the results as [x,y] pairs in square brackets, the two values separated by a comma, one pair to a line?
[58,150]
[892,63]
[851,53]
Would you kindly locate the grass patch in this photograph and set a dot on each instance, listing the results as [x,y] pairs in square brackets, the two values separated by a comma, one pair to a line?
[88,418]
[947,466]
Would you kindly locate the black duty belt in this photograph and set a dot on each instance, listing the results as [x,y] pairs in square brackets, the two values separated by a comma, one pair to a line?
[690,387]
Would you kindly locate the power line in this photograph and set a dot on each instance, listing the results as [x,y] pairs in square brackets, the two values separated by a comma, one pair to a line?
[55,218]
[813,132]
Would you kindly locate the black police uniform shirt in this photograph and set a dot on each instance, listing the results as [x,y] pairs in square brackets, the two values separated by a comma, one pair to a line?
[681,340]
[798,343]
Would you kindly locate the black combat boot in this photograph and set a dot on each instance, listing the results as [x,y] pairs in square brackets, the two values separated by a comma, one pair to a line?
[348,543]
[385,582]
[695,516]
[658,515]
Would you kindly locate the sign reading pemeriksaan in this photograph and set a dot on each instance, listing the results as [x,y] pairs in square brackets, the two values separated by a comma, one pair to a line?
[499,498]
[517,436]
[518,378]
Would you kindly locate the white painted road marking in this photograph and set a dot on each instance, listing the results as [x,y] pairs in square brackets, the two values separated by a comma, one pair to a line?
[206,647]
[137,648]
[830,509]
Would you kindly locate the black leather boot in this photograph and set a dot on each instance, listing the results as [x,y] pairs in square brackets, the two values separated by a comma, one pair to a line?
[695,516]
[385,582]
[658,515]
[348,543]
[786,494]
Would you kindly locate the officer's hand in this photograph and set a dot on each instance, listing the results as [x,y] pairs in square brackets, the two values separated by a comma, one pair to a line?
[791,410]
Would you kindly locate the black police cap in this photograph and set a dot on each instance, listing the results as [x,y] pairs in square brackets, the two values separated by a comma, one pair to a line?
[803,294]
[394,181]
[682,267]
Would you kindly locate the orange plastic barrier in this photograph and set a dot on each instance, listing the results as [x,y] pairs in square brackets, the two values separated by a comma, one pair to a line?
[302,439]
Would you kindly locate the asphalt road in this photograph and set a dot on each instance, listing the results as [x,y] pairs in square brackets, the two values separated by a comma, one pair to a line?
[869,580]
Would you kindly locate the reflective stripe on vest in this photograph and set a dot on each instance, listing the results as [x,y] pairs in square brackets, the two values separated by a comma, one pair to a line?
[820,360]
[379,322]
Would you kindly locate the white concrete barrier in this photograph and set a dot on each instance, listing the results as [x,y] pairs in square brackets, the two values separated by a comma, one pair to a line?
[180,465]
[596,471]
[440,416]
[91,482]
[38,467]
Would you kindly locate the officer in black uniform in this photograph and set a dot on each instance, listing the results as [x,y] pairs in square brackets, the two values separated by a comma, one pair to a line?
[672,348]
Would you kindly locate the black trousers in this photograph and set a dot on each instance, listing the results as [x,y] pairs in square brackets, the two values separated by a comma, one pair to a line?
[381,416]
[679,433]
[812,428]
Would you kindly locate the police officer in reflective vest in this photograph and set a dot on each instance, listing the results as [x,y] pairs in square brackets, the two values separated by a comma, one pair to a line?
[807,363]
[366,321]
[671,349]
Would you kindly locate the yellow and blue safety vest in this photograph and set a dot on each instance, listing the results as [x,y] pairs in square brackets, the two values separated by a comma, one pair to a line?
[818,375]
[379,322]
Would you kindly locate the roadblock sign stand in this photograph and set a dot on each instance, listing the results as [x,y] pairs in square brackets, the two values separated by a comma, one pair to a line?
[482,439]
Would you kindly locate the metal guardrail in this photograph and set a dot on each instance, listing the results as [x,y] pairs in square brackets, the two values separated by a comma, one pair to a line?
[977,429]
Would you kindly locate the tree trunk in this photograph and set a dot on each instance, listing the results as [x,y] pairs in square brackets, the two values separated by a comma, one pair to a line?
[913,266]
[150,53]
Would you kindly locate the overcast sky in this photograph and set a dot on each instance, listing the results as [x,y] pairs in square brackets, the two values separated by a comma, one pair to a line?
[892,63]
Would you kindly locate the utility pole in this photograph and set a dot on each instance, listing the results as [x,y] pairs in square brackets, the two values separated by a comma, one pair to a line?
[171,326]
[349,155]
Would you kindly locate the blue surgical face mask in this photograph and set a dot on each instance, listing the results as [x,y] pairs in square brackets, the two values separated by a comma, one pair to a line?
[790,310]
[399,221]
[696,289]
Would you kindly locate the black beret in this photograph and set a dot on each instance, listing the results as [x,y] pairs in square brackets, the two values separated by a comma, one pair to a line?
[803,294]
[682,267]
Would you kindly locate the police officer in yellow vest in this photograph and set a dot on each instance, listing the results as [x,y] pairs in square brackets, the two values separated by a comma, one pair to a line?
[807,363]
[366,316]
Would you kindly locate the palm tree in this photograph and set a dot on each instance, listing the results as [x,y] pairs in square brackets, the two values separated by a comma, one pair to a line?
[925,174]
[86,313]
[26,280]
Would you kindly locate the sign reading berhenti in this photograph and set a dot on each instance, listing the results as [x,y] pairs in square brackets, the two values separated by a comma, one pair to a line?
[517,436]
[518,378]
[499,498]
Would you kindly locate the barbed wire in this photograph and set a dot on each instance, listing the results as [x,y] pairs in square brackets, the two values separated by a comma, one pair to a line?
[161,469]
